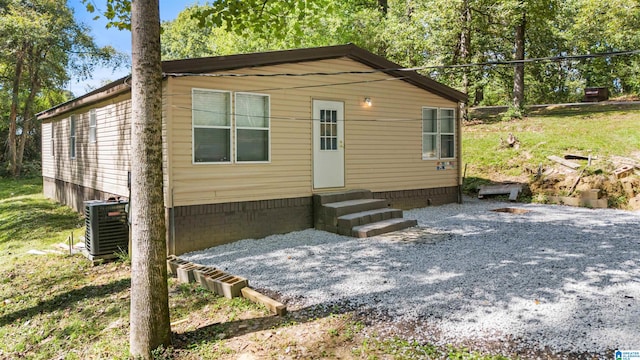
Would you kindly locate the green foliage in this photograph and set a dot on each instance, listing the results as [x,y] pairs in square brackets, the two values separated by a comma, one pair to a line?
[513,113]
[41,44]
[223,34]
[430,34]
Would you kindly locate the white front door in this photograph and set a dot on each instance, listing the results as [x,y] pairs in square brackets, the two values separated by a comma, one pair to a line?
[328,144]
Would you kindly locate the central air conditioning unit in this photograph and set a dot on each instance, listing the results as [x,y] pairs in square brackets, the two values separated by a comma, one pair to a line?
[107,228]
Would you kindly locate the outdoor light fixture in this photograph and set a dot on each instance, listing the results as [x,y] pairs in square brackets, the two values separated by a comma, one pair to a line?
[367,101]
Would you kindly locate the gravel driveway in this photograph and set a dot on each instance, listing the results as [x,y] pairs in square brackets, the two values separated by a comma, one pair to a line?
[556,279]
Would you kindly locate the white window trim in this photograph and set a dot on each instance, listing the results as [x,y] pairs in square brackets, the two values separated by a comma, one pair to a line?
[53,140]
[73,137]
[235,132]
[93,126]
[439,133]
[193,130]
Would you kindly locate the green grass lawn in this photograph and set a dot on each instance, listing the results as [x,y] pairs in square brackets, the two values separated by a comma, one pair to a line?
[604,132]
[29,221]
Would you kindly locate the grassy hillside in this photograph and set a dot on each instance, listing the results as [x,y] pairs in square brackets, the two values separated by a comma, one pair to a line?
[606,132]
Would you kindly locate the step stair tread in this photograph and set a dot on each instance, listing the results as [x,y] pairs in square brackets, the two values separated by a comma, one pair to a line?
[346,203]
[367,213]
[382,227]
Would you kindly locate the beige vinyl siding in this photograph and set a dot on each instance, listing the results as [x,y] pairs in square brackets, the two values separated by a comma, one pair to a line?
[47,154]
[383,143]
[167,115]
[101,165]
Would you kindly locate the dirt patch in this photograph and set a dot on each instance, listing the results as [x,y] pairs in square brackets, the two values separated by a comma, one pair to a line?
[512,210]
[615,179]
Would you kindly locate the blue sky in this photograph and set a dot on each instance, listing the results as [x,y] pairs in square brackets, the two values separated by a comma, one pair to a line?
[119,39]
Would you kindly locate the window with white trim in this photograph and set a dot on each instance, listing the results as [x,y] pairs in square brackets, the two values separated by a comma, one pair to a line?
[252,127]
[211,118]
[92,125]
[53,140]
[72,137]
[438,133]
[215,130]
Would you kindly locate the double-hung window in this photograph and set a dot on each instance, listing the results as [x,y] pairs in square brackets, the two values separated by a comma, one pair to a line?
[93,122]
[211,126]
[72,137]
[438,133]
[252,127]
[215,129]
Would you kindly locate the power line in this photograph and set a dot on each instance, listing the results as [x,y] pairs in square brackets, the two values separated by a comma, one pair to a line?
[303,86]
[542,59]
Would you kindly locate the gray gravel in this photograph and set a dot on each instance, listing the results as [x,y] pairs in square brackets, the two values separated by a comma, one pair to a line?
[558,279]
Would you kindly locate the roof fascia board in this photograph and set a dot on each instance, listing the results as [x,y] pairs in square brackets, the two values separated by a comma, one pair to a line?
[240,61]
[231,62]
[106,92]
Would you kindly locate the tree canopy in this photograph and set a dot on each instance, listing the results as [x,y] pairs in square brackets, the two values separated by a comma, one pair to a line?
[439,35]
[41,45]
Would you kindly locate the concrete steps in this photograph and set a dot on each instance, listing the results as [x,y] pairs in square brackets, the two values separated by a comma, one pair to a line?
[382,227]
[356,213]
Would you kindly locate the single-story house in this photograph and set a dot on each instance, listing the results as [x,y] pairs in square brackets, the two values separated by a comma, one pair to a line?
[249,139]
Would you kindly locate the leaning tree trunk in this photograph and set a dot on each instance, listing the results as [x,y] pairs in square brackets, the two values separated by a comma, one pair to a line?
[13,118]
[150,327]
[518,75]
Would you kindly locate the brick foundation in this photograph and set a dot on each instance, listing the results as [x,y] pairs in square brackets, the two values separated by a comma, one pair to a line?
[199,227]
[202,226]
[418,198]
[73,195]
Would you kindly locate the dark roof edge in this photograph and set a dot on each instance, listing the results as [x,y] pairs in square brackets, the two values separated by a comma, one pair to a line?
[103,93]
[239,61]
[421,81]
[231,62]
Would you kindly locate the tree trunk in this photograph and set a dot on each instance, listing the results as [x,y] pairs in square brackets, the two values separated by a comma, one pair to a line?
[465,45]
[384,6]
[27,111]
[13,117]
[150,327]
[518,75]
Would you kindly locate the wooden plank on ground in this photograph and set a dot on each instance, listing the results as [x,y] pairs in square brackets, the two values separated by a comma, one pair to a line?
[274,306]
[561,161]
[505,189]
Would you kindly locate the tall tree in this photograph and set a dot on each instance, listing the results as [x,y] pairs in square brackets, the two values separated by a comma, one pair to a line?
[149,320]
[40,42]
[291,24]
[606,26]
[150,326]
[518,68]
